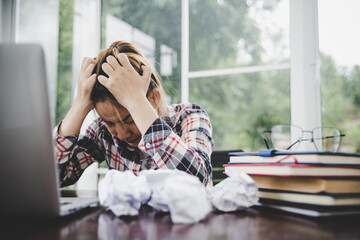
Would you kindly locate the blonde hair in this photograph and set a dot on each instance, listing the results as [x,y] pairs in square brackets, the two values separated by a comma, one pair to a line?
[137,59]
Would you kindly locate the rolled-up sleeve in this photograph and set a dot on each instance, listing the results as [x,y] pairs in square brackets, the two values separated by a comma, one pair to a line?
[74,154]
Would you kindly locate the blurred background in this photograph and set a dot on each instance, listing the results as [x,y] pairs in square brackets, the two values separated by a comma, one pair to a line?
[233,57]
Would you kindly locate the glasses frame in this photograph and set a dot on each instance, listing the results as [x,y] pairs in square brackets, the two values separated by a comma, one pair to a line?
[301,139]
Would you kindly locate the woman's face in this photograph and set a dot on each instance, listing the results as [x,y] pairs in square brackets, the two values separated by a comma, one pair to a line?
[119,122]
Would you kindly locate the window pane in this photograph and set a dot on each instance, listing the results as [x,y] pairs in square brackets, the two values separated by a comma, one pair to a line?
[64,83]
[228,34]
[339,39]
[38,23]
[155,27]
[242,106]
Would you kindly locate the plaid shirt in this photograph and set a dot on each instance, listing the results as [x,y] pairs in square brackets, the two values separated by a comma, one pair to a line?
[182,140]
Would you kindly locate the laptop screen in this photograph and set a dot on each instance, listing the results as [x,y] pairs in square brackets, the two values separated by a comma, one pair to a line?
[28,173]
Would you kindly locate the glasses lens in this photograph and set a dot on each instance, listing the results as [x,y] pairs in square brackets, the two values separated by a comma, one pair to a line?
[327,138]
[285,136]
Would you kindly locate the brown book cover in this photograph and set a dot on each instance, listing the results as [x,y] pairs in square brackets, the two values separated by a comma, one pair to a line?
[306,184]
[323,199]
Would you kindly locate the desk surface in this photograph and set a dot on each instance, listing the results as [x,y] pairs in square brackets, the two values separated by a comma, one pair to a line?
[98,223]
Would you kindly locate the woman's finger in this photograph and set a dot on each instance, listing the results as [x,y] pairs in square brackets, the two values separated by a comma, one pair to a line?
[124,60]
[113,62]
[92,79]
[82,64]
[146,75]
[89,70]
[86,62]
[107,68]
[103,80]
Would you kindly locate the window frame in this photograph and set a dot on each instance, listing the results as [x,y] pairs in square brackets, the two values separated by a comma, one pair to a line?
[304,64]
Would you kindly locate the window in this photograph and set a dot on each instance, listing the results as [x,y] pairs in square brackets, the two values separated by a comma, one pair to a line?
[239,68]
[242,106]
[154,26]
[339,39]
[230,34]
[64,75]
[37,21]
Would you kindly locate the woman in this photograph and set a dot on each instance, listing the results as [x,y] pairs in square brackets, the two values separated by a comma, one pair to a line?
[136,129]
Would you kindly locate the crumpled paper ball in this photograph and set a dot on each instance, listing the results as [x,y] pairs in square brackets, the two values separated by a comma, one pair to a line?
[180,193]
[123,192]
[237,191]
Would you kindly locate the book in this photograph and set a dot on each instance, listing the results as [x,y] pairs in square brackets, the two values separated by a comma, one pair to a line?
[322,199]
[309,209]
[283,169]
[308,184]
[274,156]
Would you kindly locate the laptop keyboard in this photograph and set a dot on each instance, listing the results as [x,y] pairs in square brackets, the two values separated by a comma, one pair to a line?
[65,202]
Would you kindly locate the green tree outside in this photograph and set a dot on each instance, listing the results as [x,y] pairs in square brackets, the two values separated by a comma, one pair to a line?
[64,79]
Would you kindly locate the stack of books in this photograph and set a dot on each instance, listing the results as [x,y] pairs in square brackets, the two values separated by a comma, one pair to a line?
[315,184]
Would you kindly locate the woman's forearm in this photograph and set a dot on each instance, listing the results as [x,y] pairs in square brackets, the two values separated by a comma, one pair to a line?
[143,114]
[73,120]
[82,105]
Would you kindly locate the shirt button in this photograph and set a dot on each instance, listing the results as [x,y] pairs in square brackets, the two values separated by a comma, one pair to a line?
[147,145]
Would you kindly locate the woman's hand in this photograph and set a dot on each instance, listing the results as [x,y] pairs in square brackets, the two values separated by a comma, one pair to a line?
[85,84]
[82,104]
[125,84]
[129,89]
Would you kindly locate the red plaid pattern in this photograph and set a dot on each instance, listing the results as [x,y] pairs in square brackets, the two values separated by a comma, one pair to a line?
[182,140]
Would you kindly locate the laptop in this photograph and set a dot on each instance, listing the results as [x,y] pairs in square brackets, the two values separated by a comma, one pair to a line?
[28,173]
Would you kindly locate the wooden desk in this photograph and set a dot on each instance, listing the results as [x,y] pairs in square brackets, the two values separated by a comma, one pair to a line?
[97,223]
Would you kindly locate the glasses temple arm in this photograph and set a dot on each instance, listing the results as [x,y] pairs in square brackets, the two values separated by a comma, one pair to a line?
[292,144]
[341,135]
[266,143]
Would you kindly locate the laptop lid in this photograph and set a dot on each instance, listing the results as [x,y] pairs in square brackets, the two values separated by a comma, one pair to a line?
[28,175]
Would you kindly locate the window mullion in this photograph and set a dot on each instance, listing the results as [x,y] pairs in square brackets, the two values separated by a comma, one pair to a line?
[305,65]
[185,50]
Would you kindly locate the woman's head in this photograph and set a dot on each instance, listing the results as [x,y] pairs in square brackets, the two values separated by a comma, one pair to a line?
[116,118]
[155,93]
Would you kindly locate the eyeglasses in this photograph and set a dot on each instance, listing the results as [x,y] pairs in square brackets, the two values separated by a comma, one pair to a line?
[289,137]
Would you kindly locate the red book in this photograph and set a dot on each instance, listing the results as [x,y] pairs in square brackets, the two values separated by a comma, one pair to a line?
[293,169]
